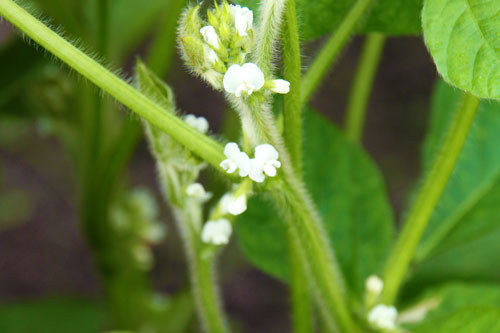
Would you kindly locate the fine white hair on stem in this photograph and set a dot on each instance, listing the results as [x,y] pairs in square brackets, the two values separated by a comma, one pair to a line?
[267,33]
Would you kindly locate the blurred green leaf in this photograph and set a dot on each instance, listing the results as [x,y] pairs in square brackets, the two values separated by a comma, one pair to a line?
[467,320]
[447,299]
[462,37]
[320,17]
[351,197]
[461,240]
[51,315]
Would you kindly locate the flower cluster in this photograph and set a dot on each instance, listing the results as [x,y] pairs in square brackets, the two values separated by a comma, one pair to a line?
[217,49]
[218,230]
[265,163]
[383,317]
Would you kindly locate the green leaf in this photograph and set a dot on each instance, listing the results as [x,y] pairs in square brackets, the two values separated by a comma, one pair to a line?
[468,320]
[463,38]
[351,197]
[51,315]
[449,298]
[318,18]
[461,240]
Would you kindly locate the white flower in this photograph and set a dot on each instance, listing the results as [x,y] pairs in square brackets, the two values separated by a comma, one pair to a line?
[200,123]
[383,316]
[155,233]
[236,160]
[197,191]
[233,205]
[217,232]
[210,36]
[281,86]
[243,19]
[265,162]
[210,55]
[374,285]
[243,79]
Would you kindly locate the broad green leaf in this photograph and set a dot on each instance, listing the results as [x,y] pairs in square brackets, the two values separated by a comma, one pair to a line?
[52,315]
[461,240]
[351,197]
[392,17]
[467,320]
[463,38]
[449,298]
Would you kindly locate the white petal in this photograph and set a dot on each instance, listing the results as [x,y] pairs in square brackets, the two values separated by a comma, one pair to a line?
[256,171]
[281,86]
[197,191]
[210,36]
[200,123]
[243,162]
[217,232]
[231,150]
[383,316]
[266,152]
[233,78]
[243,19]
[228,165]
[238,205]
[269,170]
[374,284]
[210,54]
[253,75]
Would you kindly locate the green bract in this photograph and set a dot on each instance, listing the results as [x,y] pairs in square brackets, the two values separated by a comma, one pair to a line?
[463,38]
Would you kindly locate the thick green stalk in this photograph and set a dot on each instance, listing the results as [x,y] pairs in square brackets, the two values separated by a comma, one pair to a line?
[200,144]
[292,108]
[331,50]
[362,85]
[428,197]
[300,292]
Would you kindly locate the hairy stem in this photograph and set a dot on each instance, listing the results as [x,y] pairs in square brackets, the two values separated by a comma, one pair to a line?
[302,310]
[428,197]
[271,13]
[324,60]
[362,85]
[202,274]
[200,144]
[292,109]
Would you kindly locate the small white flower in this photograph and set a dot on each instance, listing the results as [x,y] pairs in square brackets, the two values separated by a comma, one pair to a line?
[281,86]
[217,232]
[210,36]
[243,79]
[383,316]
[236,160]
[374,285]
[197,191]
[210,55]
[265,162]
[200,123]
[233,205]
[243,19]
[155,233]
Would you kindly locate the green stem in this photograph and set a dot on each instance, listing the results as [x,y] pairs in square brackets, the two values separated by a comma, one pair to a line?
[162,49]
[331,50]
[204,285]
[302,311]
[428,197]
[362,85]
[271,13]
[199,144]
[292,109]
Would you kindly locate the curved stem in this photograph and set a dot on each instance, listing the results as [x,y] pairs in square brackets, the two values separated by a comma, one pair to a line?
[362,85]
[199,144]
[428,197]
[292,109]
[331,50]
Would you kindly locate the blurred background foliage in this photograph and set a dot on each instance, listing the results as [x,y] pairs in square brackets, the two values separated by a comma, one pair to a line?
[69,163]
